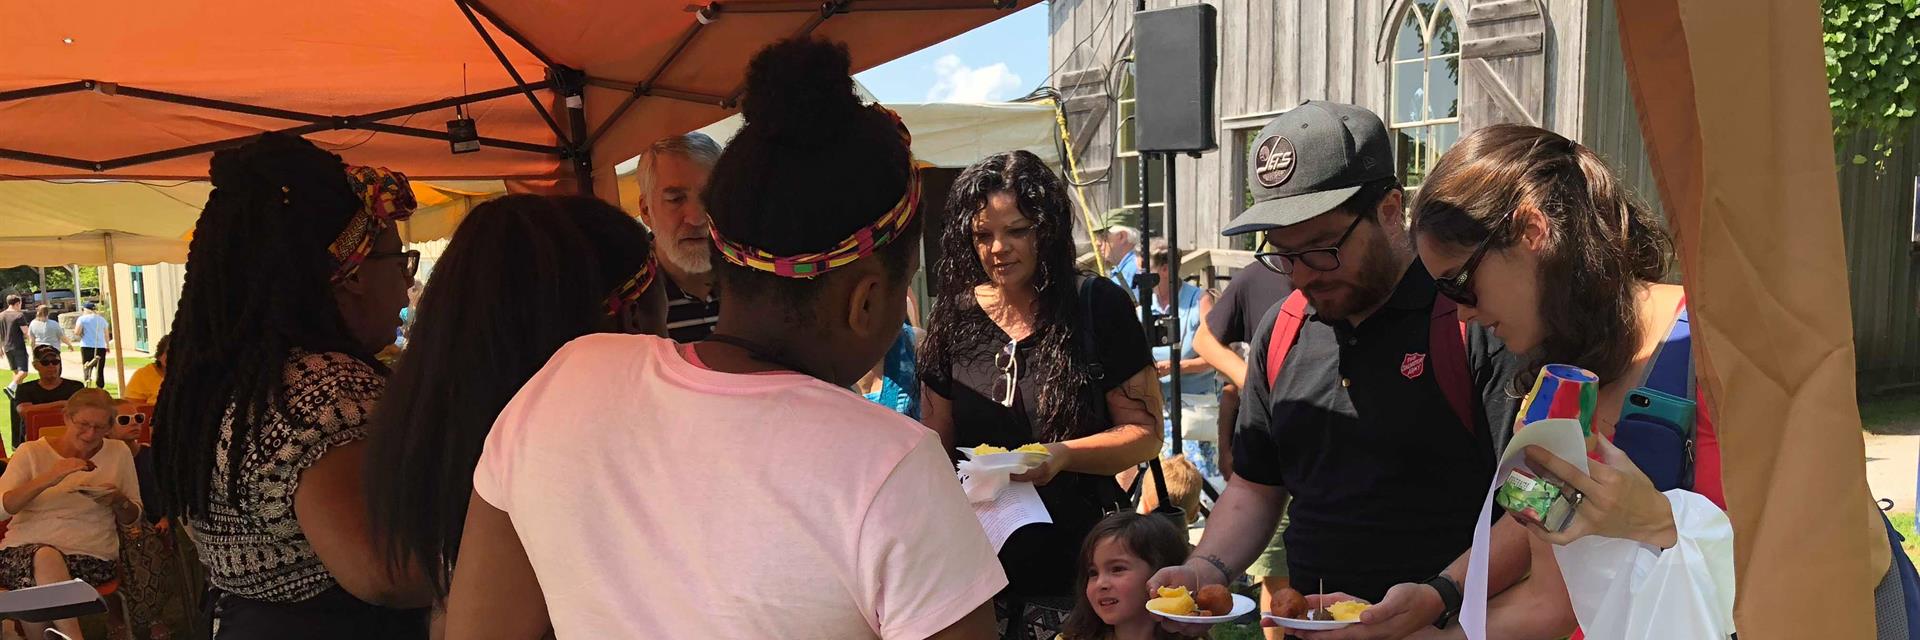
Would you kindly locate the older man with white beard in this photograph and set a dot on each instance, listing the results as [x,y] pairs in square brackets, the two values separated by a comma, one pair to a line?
[673,171]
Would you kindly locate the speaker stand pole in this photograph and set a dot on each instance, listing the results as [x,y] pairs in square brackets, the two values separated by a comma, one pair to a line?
[1174,333]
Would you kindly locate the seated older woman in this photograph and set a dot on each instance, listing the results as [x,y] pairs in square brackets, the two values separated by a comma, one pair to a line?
[64,496]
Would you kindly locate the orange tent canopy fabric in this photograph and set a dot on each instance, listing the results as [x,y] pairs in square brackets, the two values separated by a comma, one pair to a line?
[358,57]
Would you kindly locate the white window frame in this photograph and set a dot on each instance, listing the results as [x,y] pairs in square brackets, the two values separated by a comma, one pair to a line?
[1429,125]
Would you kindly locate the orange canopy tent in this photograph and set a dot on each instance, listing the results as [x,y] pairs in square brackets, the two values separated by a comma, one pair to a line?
[560,90]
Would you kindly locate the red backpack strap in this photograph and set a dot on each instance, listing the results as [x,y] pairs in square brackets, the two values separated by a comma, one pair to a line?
[1286,329]
[1448,347]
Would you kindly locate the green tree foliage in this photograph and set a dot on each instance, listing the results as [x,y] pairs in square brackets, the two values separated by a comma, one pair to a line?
[1873,68]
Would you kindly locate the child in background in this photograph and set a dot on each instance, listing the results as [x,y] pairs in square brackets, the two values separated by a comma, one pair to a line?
[1183,487]
[1120,554]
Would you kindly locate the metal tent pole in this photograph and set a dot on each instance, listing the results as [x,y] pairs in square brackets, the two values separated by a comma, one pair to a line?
[113,318]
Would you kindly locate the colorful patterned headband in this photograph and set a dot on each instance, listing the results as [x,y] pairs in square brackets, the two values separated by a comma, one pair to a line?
[631,291]
[861,244]
[385,198]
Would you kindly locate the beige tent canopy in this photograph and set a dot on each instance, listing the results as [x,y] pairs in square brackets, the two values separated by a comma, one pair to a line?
[46,222]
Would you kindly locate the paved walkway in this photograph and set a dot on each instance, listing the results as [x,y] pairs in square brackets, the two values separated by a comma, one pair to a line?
[1891,465]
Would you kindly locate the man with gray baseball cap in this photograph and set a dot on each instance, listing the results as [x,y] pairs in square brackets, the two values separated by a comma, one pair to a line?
[1384,452]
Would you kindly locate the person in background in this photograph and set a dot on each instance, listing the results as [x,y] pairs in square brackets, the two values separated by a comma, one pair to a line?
[802,509]
[14,326]
[1537,237]
[144,386]
[46,328]
[1198,390]
[673,172]
[1120,553]
[65,497]
[150,576]
[94,333]
[295,279]
[1183,488]
[1380,455]
[49,391]
[1116,236]
[1252,296]
[580,266]
[892,382]
[1023,348]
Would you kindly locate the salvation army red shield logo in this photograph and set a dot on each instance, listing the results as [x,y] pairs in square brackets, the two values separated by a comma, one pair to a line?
[1413,365]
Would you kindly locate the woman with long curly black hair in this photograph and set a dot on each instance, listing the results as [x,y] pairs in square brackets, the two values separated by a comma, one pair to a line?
[295,278]
[1024,348]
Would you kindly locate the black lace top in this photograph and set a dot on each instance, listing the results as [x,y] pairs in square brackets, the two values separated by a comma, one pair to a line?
[249,539]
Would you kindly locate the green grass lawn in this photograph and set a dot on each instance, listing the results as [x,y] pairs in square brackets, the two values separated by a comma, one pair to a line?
[1903,522]
[1897,414]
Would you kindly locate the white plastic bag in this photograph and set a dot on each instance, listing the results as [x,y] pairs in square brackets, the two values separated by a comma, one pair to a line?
[1625,589]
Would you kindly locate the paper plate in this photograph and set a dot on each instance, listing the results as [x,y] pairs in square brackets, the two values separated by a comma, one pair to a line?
[1242,605]
[1015,461]
[1308,625]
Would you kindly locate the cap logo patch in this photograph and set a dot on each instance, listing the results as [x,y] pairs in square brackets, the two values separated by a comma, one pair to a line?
[1273,161]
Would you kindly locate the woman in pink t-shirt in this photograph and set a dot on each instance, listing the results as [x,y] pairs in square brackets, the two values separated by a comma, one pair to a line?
[737,488]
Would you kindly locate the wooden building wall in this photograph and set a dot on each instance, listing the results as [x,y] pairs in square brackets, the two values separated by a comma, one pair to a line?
[1274,54]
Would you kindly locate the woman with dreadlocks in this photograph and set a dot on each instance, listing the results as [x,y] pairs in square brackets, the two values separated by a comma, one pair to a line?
[735,488]
[295,278]
[1024,348]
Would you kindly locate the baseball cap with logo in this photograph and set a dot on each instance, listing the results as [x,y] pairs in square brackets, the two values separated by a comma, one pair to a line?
[1308,161]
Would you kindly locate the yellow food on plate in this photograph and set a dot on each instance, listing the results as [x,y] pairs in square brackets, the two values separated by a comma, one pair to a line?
[1173,601]
[987,449]
[1034,448]
[1348,611]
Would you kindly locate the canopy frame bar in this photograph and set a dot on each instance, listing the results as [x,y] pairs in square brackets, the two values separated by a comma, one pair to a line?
[510,32]
[314,122]
[467,9]
[695,97]
[49,90]
[646,87]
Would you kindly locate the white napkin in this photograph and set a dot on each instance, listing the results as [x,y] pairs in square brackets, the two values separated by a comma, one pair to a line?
[982,484]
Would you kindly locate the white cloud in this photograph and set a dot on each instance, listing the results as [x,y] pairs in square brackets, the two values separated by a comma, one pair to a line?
[954,81]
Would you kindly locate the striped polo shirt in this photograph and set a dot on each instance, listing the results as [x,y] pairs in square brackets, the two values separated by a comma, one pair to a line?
[689,319]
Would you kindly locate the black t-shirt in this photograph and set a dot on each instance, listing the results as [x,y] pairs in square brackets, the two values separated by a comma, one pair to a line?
[1249,299]
[1386,482]
[13,320]
[33,393]
[1039,559]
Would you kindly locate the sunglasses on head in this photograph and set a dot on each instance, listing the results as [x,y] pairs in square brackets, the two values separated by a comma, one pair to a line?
[1459,286]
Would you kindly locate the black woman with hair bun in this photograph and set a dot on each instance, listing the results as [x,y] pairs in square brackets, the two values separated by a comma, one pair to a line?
[735,487]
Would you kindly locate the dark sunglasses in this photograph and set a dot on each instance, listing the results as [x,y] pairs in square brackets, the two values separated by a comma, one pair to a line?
[412,257]
[47,362]
[1006,385]
[1459,286]
[1321,259]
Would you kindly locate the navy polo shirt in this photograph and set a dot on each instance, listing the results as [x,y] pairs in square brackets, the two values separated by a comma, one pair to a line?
[1385,481]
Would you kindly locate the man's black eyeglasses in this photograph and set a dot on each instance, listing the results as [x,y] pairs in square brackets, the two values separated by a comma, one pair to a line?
[1322,259]
[1459,286]
[412,257]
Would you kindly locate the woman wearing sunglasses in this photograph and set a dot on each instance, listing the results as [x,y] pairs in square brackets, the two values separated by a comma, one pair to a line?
[65,496]
[1016,355]
[1534,236]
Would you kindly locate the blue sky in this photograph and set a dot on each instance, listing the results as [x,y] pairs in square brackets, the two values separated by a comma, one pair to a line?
[1002,60]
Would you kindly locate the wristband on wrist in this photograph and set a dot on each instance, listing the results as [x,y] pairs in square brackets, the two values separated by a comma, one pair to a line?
[1450,597]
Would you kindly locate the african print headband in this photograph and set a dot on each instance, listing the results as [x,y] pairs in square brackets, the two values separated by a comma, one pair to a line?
[385,198]
[631,291]
[861,244]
